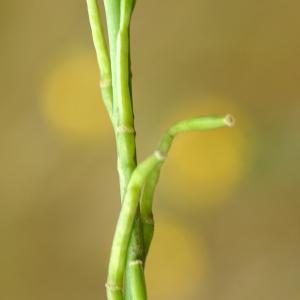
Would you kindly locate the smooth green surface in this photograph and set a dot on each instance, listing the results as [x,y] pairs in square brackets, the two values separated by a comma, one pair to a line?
[138,285]
[126,121]
[146,208]
[112,12]
[134,230]
[194,124]
[102,55]
[118,16]
[149,168]
[126,219]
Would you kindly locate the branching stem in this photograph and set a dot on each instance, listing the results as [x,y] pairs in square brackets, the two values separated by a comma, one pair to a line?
[195,124]
[135,225]
[145,170]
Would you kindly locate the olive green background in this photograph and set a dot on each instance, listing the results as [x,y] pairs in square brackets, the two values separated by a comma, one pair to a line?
[227,206]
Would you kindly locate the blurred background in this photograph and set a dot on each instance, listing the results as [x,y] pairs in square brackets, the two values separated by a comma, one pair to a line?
[227,207]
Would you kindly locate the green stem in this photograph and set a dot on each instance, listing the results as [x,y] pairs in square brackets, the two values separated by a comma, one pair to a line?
[130,234]
[124,101]
[125,222]
[146,208]
[199,124]
[112,12]
[118,17]
[102,55]
[135,253]
[126,124]
[138,285]
[136,183]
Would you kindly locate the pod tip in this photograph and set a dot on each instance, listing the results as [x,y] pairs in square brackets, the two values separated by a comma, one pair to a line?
[229,120]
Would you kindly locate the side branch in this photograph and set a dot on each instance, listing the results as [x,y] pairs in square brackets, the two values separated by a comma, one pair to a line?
[148,170]
[198,124]
[125,223]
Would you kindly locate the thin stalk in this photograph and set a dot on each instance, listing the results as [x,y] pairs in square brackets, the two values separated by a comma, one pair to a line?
[135,253]
[135,225]
[146,204]
[125,143]
[198,124]
[112,12]
[125,223]
[138,285]
[118,17]
[124,101]
[126,124]
[131,200]
[102,56]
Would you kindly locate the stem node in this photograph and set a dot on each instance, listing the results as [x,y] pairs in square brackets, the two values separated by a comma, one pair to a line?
[136,262]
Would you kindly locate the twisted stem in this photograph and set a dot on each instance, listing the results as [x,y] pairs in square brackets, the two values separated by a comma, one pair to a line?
[146,204]
[118,15]
[145,170]
[134,230]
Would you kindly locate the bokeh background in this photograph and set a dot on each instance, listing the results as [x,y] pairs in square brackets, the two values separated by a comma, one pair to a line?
[227,207]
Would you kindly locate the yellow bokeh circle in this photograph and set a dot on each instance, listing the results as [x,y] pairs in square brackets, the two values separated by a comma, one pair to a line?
[177,262]
[71,99]
[204,167]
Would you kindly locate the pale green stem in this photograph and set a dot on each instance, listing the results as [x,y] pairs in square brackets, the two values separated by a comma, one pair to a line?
[146,202]
[138,285]
[118,14]
[102,56]
[135,253]
[136,183]
[125,222]
[126,123]
[199,124]
[124,101]
[112,12]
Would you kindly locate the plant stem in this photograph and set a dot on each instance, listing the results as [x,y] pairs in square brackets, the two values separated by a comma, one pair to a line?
[102,56]
[198,124]
[135,253]
[138,285]
[136,183]
[126,123]
[124,101]
[146,204]
[112,12]
[118,17]
[135,225]
[125,222]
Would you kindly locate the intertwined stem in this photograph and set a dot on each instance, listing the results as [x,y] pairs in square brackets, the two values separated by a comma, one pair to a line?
[116,93]
[146,203]
[135,225]
[145,170]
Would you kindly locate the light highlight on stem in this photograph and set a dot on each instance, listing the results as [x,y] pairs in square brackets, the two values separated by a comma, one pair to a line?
[198,124]
[146,174]
[126,220]
[123,94]
[115,87]
[130,237]
[102,55]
